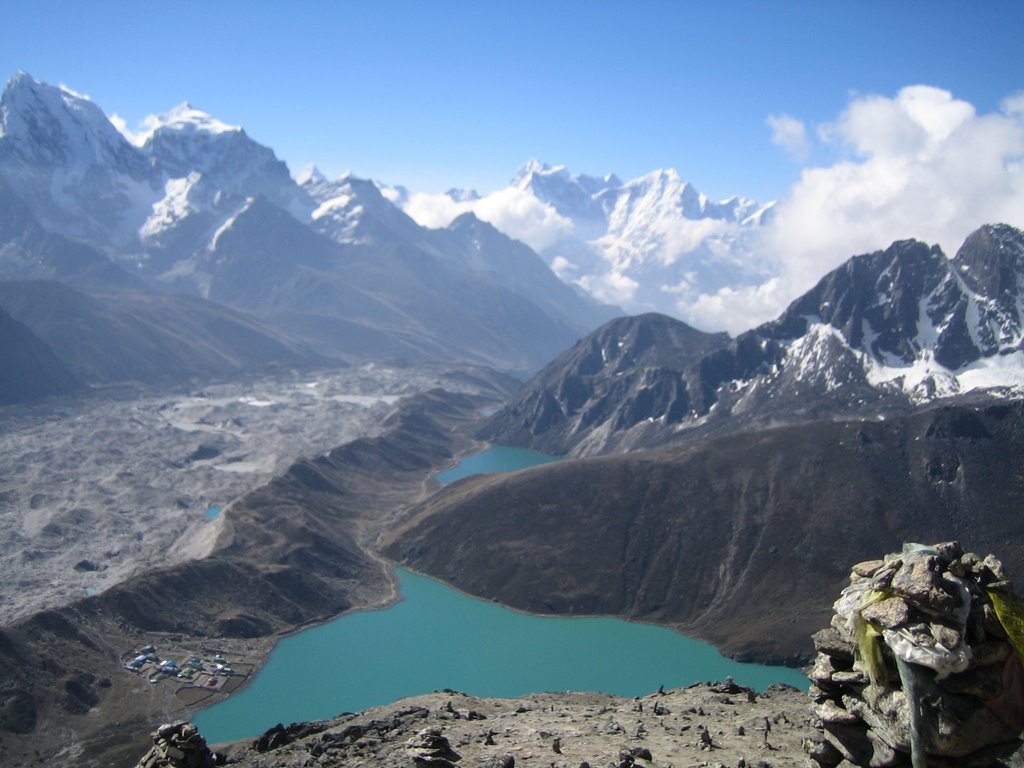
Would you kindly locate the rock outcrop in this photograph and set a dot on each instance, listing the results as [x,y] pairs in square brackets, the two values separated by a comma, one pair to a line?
[704,724]
[920,665]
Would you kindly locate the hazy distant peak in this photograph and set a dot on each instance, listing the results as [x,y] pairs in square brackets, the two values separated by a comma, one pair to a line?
[462,195]
[309,174]
[467,219]
[535,172]
[470,225]
[534,167]
[666,182]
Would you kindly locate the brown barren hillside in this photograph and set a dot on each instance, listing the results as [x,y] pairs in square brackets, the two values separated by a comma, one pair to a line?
[743,540]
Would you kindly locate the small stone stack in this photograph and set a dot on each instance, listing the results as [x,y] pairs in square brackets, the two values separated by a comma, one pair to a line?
[430,748]
[921,663]
[178,745]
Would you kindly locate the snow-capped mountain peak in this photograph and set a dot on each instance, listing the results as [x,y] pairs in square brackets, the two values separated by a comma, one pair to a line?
[534,167]
[652,243]
[75,171]
[538,177]
[183,118]
[355,210]
[49,125]
[187,140]
[84,176]
[309,174]
[918,322]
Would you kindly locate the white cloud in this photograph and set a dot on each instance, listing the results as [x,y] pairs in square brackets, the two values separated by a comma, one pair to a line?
[927,167]
[924,165]
[683,236]
[683,287]
[434,211]
[511,210]
[145,129]
[737,309]
[564,268]
[611,287]
[522,216]
[1014,104]
[790,134]
[915,123]
[122,127]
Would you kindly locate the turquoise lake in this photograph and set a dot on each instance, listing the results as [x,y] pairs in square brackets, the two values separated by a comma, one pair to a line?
[498,458]
[437,637]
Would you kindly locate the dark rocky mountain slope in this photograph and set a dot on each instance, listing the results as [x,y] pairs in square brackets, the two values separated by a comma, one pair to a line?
[142,336]
[886,332]
[28,368]
[272,265]
[620,376]
[742,540]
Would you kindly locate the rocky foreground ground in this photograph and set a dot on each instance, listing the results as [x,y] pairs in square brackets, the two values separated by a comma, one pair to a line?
[708,724]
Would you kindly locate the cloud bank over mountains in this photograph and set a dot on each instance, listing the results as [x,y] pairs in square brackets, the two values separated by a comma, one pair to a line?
[514,211]
[920,164]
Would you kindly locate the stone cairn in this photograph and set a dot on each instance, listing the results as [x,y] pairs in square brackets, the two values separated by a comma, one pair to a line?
[178,745]
[430,748]
[921,665]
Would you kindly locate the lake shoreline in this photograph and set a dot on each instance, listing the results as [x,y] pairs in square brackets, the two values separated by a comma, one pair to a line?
[437,637]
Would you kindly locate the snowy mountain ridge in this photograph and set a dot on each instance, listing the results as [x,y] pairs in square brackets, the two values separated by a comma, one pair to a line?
[193,205]
[884,333]
[71,166]
[354,210]
[155,197]
[653,243]
[183,118]
[887,330]
[162,206]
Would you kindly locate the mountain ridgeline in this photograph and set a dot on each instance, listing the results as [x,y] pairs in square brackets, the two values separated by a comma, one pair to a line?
[325,270]
[610,383]
[882,334]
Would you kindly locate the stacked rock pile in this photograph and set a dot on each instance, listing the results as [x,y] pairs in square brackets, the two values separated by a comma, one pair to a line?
[178,745]
[429,747]
[921,664]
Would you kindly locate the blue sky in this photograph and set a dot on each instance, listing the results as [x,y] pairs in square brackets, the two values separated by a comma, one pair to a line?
[439,94]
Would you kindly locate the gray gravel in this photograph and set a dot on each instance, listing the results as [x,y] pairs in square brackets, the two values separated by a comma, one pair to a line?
[99,488]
